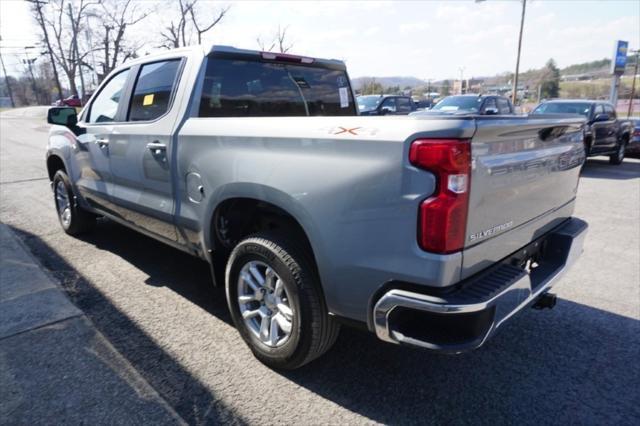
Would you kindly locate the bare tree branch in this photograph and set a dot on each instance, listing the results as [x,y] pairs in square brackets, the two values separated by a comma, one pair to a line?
[279,40]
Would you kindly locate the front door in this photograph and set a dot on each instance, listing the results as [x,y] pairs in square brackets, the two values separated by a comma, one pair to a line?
[92,152]
[140,150]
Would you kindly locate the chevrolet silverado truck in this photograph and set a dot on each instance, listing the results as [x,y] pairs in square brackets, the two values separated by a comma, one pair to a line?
[429,231]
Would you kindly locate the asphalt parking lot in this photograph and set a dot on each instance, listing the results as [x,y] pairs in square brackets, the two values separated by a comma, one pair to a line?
[577,363]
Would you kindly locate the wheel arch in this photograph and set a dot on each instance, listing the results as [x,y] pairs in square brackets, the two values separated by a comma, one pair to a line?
[55,163]
[249,208]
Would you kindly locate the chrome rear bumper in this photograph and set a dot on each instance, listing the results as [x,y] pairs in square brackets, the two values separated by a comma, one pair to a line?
[464,319]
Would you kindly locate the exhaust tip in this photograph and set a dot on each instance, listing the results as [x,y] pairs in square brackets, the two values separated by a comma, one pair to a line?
[545,301]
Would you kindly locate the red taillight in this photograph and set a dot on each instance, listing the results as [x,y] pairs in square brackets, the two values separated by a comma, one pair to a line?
[443,216]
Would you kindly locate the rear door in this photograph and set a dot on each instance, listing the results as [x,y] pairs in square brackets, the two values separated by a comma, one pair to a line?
[95,182]
[612,126]
[141,149]
[524,180]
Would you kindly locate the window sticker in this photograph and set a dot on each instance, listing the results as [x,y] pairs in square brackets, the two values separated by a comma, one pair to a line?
[147,100]
[344,97]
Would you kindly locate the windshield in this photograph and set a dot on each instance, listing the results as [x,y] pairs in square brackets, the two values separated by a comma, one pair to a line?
[581,108]
[457,103]
[368,103]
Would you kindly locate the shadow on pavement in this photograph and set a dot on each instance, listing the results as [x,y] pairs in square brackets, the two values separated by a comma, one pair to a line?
[190,280]
[600,168]
[575,364]
[185,393]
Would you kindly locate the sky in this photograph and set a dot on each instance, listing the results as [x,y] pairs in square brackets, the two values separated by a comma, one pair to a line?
[424,39]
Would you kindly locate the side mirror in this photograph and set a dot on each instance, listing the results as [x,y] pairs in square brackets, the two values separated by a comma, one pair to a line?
[601,117]
[63,116]
[491,111]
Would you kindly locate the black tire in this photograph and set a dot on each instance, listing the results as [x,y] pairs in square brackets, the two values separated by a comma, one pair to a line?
[617,158]
[78,220]
[313,331]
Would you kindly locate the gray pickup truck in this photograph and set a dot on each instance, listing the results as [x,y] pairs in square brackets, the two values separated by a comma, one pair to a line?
[427,231]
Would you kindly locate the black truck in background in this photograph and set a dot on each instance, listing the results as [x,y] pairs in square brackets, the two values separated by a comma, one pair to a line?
[605,134]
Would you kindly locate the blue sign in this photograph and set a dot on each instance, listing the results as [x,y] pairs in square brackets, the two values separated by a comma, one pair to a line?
[619,61]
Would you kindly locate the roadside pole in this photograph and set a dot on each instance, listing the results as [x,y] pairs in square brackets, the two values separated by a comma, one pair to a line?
[6,82]
[514,91]
[618,65]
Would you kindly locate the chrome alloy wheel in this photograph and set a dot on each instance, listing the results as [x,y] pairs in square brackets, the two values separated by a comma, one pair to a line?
[63,204]
[264,303]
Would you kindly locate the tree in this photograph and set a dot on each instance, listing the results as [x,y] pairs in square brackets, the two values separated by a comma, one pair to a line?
[446,88]
[114,18]
[372,87]
[64,19]
[36,9]
[279,40]
[181,32]
[550,80]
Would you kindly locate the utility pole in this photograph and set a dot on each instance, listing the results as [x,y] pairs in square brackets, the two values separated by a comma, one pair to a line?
[633,84]
[461,80]
[6,82]
[29,63]
[514,91]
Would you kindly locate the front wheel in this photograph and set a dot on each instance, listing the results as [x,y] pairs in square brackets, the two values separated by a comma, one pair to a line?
[73,219]
[618,157]
[276,302]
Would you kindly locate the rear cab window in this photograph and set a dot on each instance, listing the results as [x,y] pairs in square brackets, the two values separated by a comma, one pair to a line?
[152,92]
[403,104]
[248,86]
[503,106]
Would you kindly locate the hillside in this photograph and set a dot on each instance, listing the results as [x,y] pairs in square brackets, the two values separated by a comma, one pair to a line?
[594,69]
[388,81]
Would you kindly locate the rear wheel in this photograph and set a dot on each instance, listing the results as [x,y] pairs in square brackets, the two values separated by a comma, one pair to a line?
[618,157]
[276,302]
[73,219]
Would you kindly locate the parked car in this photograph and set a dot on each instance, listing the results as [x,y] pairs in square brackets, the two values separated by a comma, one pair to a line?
[633,148]
[312,216]
[472,104]
[72,101]
[385,105]
[605,134]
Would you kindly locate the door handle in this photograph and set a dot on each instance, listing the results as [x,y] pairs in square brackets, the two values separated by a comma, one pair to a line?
[157,147]
[102,142]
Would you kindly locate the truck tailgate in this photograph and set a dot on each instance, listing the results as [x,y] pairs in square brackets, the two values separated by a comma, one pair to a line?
[524,180]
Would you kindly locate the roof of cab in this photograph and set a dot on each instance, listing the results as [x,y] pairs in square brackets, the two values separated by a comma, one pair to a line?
[237,51]
[208,49]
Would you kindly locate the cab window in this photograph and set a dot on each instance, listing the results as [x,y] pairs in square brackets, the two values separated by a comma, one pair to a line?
[608,109]
[403,104]
[503,106]
[490,103]
[153,89]
[390,104]
[105,107]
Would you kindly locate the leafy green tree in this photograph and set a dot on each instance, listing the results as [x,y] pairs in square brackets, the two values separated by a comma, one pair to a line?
[446,88]
[550,80]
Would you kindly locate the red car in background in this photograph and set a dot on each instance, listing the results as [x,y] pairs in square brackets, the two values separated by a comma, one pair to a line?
[72,101]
